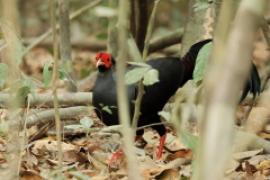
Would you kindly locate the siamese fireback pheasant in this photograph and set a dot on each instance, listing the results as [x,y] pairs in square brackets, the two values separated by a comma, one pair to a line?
[173,73]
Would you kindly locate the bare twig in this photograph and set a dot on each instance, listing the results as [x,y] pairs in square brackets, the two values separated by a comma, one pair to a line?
[138,100]
[149,31]
[123,110]
[54,84]
[25,140]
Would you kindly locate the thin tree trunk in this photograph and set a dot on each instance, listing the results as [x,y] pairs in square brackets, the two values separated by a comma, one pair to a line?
[123,110]
[140,13]
[11,56]
[65,47]
[65,44]
[54,84]
[223,82]
[194,29]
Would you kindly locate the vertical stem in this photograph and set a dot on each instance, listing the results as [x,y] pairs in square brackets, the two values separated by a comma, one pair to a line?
[54,81]
[65,46]
[123,110]
[149,30]
[138,100]
[11,56]
[223,83]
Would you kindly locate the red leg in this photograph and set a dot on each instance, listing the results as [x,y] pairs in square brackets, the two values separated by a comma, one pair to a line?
[116,157]
[161,146]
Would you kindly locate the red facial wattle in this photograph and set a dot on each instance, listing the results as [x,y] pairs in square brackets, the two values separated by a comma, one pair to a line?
[104,59]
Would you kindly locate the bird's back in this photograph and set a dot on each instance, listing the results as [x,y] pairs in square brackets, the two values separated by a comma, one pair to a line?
[170,78]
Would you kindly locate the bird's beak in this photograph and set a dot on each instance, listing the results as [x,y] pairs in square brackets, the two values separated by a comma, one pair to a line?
[99,63]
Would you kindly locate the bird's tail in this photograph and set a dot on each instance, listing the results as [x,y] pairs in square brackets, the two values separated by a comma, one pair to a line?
[190,58]
[253,85]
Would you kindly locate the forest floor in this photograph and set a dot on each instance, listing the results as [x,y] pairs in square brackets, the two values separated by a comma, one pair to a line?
[87,155]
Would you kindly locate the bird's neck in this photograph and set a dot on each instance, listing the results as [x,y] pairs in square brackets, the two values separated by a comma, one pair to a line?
[189,64]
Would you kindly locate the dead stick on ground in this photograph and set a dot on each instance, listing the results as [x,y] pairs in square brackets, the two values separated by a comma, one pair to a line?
[46,99]
[47,116]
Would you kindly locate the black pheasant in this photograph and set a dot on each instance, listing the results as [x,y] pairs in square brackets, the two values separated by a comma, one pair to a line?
[173,73]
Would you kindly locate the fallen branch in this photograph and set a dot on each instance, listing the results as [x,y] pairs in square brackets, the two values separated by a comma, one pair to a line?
[79,131]
[65,99]
[247,141]
[47,116]
[81,98]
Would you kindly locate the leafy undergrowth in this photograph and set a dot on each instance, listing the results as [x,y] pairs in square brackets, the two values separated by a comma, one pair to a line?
[87,156]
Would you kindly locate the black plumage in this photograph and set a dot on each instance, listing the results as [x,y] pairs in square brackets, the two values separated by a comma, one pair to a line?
[173,73]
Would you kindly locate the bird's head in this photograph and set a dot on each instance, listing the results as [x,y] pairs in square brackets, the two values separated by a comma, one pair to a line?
[104,61]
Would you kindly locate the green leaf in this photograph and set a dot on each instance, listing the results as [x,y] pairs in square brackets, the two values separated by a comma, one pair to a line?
[86,122]
[62,74]
[3,73]
[201,63]
[189,140]
[151,77]
[135,75]
[165,115]
[47,74]
[107,109]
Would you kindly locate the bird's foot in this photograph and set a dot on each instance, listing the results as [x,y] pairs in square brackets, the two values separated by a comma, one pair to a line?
[116,158]
[161,147]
